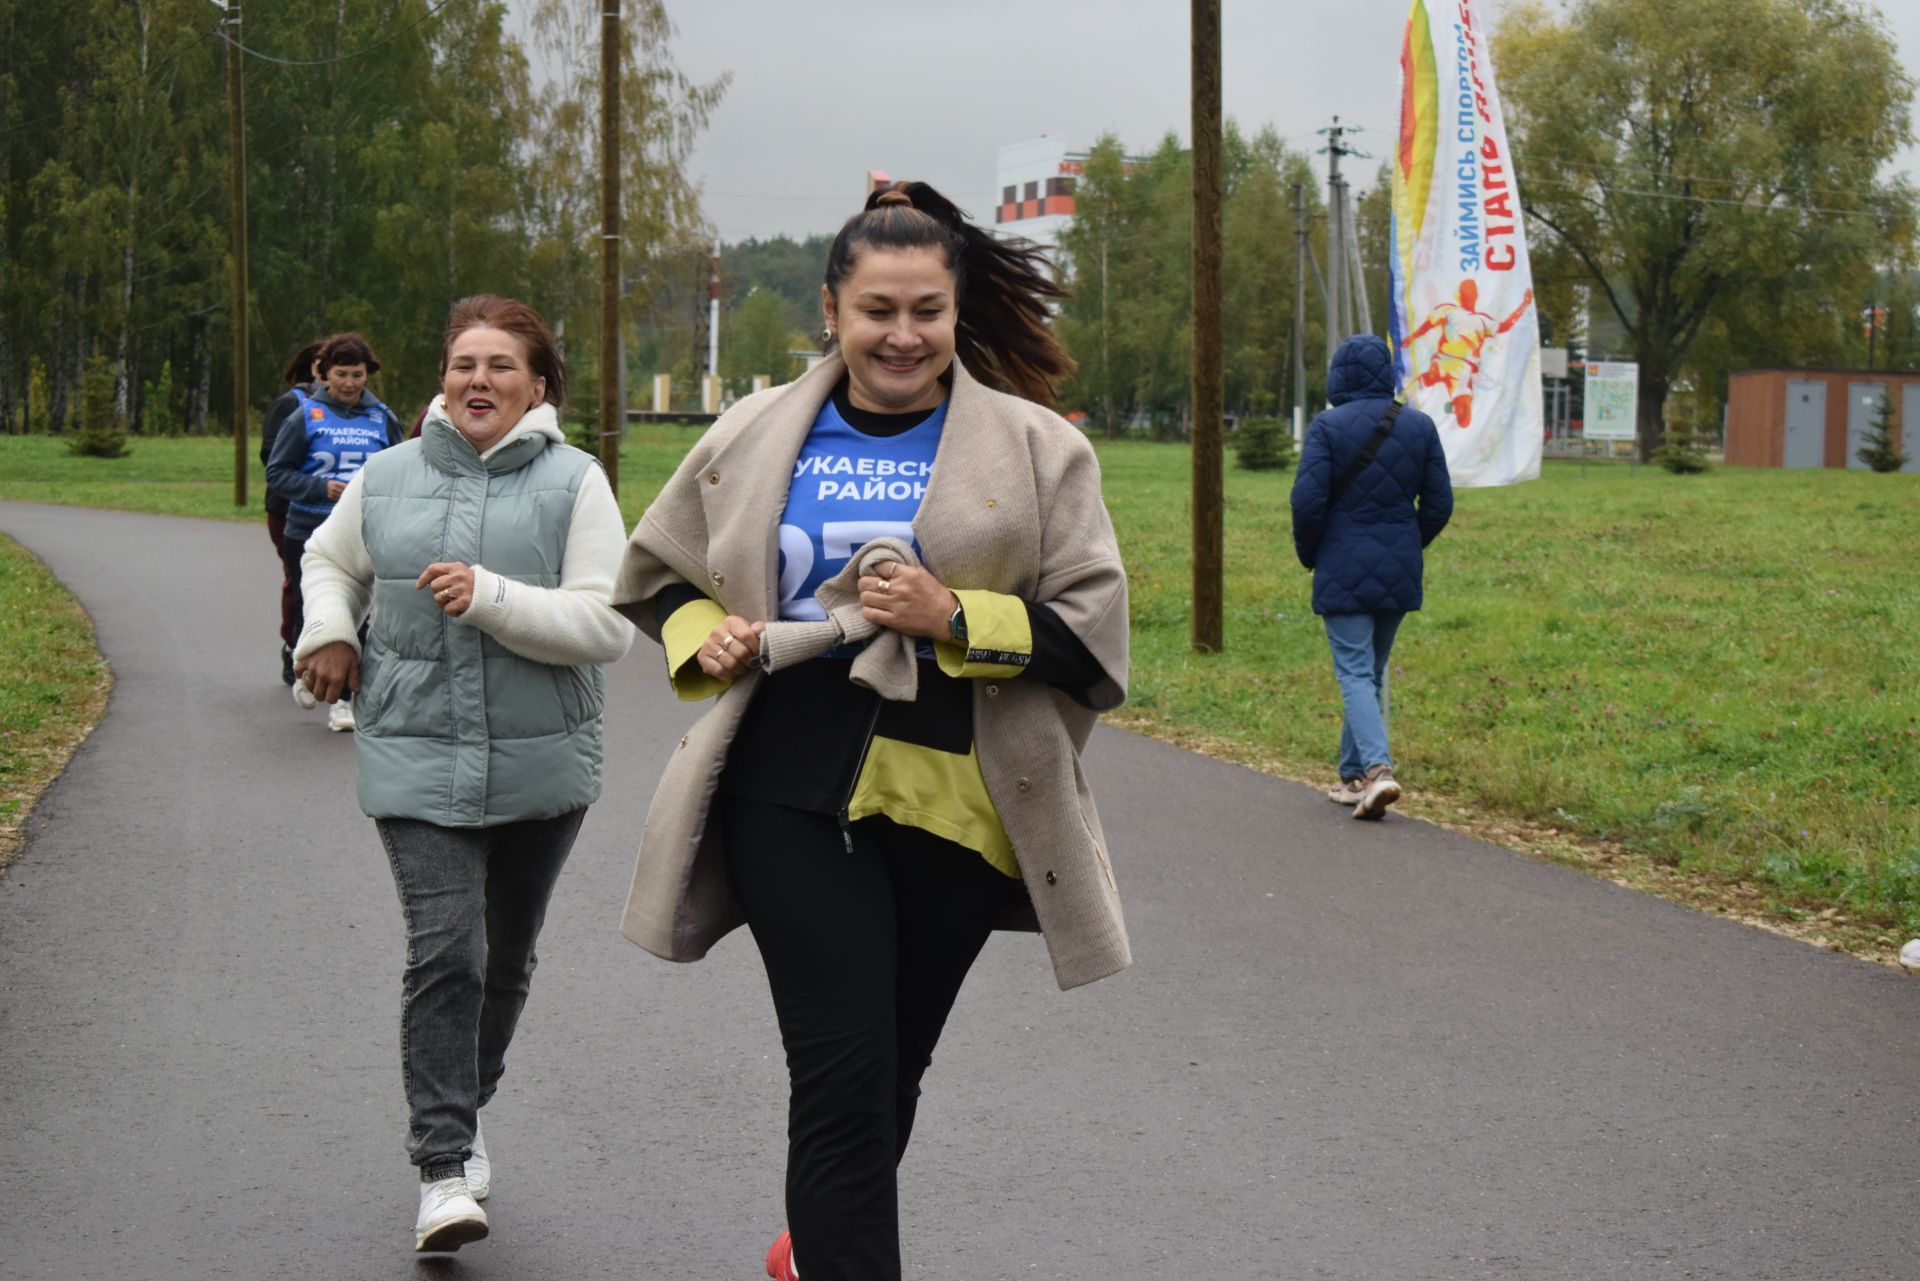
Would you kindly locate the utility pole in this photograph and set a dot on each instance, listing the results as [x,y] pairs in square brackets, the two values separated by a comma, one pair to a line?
[237,138]
[1336,250]
[612,412]
[1299,314]
[713,314]
[1106,344]
[1209,392]
[1362,314]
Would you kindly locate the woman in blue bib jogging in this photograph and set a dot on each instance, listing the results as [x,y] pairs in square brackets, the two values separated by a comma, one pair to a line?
[890,769]
[339,425]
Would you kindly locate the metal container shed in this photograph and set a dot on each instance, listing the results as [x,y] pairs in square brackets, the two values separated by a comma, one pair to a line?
[1816,417]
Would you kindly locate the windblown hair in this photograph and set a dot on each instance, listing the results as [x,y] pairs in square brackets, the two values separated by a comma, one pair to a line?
[1003,334]
[491,311]
[346,349]
[299,369]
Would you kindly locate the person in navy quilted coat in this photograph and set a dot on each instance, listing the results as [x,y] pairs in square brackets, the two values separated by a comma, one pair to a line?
[1363,541]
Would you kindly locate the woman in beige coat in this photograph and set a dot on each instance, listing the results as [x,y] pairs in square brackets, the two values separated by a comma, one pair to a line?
[898,577]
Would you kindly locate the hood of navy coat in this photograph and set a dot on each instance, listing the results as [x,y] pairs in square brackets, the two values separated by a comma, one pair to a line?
[1362,369]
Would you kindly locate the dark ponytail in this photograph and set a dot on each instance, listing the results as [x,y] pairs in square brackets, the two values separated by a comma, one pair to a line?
[1003,334]
[300,369]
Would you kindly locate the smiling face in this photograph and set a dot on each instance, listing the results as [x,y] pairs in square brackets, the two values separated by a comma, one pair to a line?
[346,382]
[488,384]
[895,316]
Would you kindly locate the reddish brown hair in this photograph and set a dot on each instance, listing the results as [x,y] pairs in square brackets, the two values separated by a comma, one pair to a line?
[346,349]
[491,311]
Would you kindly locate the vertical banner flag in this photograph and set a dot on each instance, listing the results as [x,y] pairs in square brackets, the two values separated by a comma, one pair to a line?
[1463,325]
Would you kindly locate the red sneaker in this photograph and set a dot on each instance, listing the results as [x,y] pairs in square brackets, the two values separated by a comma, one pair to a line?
[780,1259]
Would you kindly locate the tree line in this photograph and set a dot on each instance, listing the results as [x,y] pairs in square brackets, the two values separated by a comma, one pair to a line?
[400,155]
[1707,184]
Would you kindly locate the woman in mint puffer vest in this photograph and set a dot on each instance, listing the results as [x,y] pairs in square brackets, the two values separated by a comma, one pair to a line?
[487,548]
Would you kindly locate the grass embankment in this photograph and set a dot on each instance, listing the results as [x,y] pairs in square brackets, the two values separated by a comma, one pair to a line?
[1703,685]
[53,686]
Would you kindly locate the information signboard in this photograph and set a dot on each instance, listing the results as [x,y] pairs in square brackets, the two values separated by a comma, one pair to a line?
[1612,400]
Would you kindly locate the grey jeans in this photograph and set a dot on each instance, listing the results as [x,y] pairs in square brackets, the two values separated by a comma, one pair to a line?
[474,900]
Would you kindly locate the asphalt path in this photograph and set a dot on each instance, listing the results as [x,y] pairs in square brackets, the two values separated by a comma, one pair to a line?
[1344,1050]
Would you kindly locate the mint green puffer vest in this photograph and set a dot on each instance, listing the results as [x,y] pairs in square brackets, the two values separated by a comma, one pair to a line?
[453,727]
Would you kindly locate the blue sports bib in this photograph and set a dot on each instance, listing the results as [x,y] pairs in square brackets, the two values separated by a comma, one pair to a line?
[848,488]
[338,445]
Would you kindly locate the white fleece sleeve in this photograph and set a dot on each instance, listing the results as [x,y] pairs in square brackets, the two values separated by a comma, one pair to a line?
[574,622]
[336,577]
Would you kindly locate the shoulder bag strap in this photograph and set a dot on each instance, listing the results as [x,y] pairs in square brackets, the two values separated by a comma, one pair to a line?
[1366,455]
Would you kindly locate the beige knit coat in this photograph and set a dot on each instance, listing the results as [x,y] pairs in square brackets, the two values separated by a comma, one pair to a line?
[1013,505]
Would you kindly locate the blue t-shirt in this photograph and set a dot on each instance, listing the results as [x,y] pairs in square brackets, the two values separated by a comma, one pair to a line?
[849,488]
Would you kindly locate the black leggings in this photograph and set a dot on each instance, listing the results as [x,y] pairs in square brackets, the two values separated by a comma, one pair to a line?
[865,953]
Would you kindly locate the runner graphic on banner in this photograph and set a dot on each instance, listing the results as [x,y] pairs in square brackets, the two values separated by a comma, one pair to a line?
[1465,333]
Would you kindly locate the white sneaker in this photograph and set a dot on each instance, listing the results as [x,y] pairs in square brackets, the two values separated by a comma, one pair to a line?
[1348,793]
[1377,791]
[340,715]
[479,1168]
[303,697]
[449,1216]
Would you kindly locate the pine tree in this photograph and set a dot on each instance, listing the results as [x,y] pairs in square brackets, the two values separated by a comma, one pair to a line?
[101,435]
[1880,453]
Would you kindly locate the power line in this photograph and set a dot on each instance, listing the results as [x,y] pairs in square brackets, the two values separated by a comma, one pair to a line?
[345,57]
[1703,200]
[1648,171]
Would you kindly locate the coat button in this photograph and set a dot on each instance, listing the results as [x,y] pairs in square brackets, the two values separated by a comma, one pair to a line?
[1052,879]
[1023,785]
[719,579]
[993,691]
[991,503]
[713,478]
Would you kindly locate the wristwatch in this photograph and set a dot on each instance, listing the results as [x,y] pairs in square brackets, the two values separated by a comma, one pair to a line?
[957,622]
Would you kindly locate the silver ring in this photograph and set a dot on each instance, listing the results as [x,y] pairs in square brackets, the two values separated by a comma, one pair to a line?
[886,586]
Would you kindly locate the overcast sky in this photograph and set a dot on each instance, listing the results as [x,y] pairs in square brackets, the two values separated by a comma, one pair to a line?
[930,89]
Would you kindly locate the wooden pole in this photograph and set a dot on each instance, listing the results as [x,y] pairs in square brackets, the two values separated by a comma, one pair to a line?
[1209,393]
[1299,314]
[237,136]
[612,413]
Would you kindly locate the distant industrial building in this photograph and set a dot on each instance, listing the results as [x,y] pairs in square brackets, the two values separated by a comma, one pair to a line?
[1036,181]
[1816,417]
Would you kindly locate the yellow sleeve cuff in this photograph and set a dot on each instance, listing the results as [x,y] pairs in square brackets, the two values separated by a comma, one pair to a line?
[686,629]
[999,638]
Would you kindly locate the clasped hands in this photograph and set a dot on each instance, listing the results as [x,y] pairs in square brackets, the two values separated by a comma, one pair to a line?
[332,672]
[904,598]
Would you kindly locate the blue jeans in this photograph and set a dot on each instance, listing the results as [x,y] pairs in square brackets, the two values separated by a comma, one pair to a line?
[474,900]
[1361,644]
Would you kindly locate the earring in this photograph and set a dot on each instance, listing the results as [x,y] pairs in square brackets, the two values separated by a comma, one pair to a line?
[826,335]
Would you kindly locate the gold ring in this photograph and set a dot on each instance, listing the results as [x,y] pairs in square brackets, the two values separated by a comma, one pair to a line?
[886,585]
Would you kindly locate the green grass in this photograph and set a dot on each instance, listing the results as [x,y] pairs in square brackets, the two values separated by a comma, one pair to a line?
[193,476]
[53,685]
[178,476]
[1718,674]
